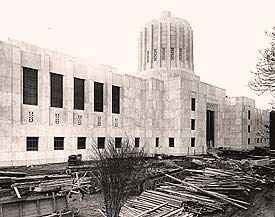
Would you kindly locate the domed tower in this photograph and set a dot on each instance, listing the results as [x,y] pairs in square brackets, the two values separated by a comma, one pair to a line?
[166,44]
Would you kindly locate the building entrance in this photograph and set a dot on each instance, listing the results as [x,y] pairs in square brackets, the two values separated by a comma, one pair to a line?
[210,129]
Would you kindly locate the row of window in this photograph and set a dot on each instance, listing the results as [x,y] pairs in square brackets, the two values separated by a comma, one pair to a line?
[30,92]
[257,140]
[163,54]
[32,143]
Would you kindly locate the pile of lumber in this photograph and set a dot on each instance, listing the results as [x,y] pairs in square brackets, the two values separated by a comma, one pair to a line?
[201,192]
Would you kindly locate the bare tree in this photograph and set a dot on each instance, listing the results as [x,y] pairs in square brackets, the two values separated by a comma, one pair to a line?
[264,77]
[117,164]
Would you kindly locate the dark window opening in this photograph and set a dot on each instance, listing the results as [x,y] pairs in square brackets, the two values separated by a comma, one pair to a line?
[98,97]
[81,143]
[193,142]
[172,53]
[193,104]
[118,142]
[171,142]
[101,142]
[58,143]
[56,90]
[258,140]
[157,142]
[137,142]
[30,86]
[248,141]
[248,129]
[32,143]
[79,93]
[115,99]
[248,115]
[192,124]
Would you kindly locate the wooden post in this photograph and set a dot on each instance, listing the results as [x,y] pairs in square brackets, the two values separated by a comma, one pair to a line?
[54,202]
[1,211]
[38,208]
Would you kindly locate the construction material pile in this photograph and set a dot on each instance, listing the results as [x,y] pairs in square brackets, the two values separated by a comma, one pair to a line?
[201,192]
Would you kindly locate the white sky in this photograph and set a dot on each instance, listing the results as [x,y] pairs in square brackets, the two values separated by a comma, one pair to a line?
[227,34]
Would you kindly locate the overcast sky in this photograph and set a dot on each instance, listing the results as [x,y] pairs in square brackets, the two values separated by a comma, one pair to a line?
[227,34]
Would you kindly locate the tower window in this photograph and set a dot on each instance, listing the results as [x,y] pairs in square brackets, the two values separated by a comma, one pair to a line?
[172,53]
[155,54]
[32,143]
[118,142]
[98,97]
[248,141]
[193,104]
[248,115]
[79,93]
[30,86]
[180,54]
[248,129]
[192,124]
[163,53]
[115,99]
[171,142]
[101,142]
[193,141]
[56,90]
[137,142]
[157,142]
[58,143]
[81,143]
[147,56]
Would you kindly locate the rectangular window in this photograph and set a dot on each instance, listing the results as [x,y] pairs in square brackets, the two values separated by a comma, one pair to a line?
[30,86]
[56,90]
[193,104]
[118,142]
[193,142]
[58,143]
[248,115]
[79,93]
[81,142]
[157,142]
[180,54]
[101,142]
[192,124]
[248,128]
[171,142]
[163,53]
[261,140]
[248,141]
[98,97]
[172,53]
[155,54]
[258,140]
[32,143]
[115,99]
[137,142]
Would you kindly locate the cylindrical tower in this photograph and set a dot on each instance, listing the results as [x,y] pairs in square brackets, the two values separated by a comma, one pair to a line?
[166,43]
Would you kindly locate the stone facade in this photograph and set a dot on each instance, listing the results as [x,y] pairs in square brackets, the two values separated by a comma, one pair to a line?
[167,106]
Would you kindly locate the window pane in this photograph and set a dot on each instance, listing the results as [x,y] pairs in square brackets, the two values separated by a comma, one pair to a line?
[58,143]
[81,142]
[32,143]
[118,142]
[101,142]
[56,90]
[30,86]
[115,99]
[193,104]
[98,97]
[137,142]
[79,93]
[192,142]
[171,142]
